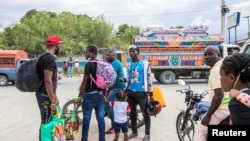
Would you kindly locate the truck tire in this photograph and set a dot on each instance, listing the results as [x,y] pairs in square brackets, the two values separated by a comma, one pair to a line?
[3,80]
[167,77]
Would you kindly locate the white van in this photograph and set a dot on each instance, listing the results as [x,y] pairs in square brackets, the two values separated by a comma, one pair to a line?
[246,47]
[228,49]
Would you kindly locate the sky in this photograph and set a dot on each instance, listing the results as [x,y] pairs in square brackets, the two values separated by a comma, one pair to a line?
[142,13]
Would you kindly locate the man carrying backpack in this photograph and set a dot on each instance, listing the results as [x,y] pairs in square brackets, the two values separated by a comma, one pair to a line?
[111,57]
[93,97]
[46,94]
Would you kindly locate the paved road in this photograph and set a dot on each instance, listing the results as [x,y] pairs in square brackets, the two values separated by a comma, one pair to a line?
[19,115]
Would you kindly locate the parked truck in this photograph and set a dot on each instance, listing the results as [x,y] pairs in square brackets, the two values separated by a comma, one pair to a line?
[10,60]
[175,53]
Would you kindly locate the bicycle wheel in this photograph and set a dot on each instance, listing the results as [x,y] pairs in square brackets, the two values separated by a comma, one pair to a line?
[188,133]
[140,121]
[70,106]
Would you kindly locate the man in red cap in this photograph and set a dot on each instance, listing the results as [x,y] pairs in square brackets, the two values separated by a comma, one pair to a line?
[46,94]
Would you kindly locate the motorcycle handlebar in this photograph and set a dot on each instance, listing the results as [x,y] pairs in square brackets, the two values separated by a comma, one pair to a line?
[184,91]
[203,94]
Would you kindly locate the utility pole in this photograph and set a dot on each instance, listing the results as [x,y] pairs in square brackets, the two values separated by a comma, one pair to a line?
[222,18]
[248,33]
[224,11]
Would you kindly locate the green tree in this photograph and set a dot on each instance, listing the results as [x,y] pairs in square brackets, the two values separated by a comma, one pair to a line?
[125,33]
[76,31]
[3,41]
[179,27]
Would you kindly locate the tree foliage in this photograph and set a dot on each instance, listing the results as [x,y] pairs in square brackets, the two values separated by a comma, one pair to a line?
[76,31]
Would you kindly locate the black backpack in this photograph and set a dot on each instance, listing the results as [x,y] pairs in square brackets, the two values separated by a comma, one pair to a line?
[27,76]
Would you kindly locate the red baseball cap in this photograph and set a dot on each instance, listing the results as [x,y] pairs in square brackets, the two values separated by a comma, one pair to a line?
[53,40]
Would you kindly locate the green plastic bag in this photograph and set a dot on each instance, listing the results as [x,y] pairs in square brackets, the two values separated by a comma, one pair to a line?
[54,129]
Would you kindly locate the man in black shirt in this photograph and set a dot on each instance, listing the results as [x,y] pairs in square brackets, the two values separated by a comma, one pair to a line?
[46,94]
[93,97]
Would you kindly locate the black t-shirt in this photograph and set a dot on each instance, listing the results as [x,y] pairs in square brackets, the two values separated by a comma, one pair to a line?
[90,68]
[239,113]
[47,62]
[70,63]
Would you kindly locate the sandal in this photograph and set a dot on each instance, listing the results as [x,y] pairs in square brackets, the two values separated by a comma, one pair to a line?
[133,135]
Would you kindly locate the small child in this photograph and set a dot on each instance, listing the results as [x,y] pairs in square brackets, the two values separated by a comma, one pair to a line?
[120,107]
[244,98]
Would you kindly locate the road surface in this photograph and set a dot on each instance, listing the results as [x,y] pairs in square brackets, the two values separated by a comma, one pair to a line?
[20,120]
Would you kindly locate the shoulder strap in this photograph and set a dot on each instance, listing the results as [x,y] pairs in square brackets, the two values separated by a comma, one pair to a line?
[92,78]
[90,75]
[38,68]
[41,55]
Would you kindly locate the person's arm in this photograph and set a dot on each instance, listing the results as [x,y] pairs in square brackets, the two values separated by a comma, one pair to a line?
[83,86]
[234,93]
[242,97]
[150,82]
[215,104]
[86,76]
[48,74]
[216,101]
[49,64]
[128,108]
[126,79]
[111,103]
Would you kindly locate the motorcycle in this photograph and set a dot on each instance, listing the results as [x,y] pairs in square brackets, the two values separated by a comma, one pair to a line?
[188,118]
[195,110]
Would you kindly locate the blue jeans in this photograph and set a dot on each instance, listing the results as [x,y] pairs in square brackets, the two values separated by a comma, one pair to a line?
[90,102]
[112,97]
[70,73]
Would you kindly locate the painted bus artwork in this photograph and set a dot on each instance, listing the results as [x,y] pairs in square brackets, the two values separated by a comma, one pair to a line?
[175,53]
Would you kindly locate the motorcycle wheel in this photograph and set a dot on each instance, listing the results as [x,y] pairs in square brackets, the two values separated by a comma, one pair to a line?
[140,120]
[188,133]
[70,106]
